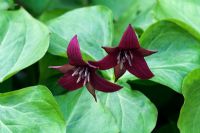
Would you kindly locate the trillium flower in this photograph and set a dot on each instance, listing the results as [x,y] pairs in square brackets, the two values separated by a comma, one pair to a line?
[128,55]
[79,73]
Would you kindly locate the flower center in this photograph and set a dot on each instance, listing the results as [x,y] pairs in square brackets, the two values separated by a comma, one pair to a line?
[124,56]
[82,73]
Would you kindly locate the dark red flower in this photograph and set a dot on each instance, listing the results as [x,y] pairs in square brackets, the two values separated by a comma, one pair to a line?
[79,73]
[127,56]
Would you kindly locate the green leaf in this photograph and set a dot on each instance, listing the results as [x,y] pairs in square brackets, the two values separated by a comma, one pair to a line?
[189,118]
[186,11]
[144,15]
[64,4]
[178,53]
[50,60]
[6,4]
[36,7]
[133,12]
[49,77]
[23,41]
[48,15]
[94,28]
[138,14]
[125,111]
[117,7]
[31,109]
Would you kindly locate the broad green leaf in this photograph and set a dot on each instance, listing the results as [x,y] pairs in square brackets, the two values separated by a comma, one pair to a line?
[6,4]
[94,28]
[84,115]
[126,12]
[48,15]
[144,15]
[65,4]
[23,41]
[189,118]
[125,111]
[178,53]
[187,11]
[140,16]
[118,8]
[30,110]
[36,7]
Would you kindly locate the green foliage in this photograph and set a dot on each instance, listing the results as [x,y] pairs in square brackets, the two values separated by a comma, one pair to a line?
[24,41]
[34,35]
[124,111]
[31,109]
[94,28]
[183,12]
[130,12]
[178,53]
[189,116]
[36,7]
[48,77]
[6,4]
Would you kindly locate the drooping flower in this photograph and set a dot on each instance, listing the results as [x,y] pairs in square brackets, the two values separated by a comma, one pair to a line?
[128,55]
[79,73]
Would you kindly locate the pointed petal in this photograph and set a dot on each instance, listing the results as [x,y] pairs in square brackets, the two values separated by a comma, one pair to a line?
[129,39]
[110,50]
[63,69]
[69,82]
[91,90]
[118,72]
[74,52]
[145,52]
[107,62]
[139,67]
[102,85]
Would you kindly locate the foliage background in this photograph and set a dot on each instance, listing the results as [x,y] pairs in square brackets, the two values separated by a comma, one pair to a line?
[34,35]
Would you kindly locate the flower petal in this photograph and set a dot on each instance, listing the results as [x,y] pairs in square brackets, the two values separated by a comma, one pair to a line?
[102,85]
[74,53]
[110,50]
[63,69]
[129,39]
[146,52]
[107,62]
[118,72]
[139,67]
[69,82]
[91,90]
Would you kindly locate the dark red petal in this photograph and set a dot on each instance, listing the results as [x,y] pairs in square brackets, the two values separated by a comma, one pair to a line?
[145,52]
[74,53]
[119,72]
[102,85]
[91,90]
[129,39]
[69,82]
[139,67]
[110,50]
[107,62]
[63,69]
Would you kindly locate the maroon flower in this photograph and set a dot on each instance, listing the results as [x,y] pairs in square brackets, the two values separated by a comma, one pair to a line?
[127,56]
[79,73]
